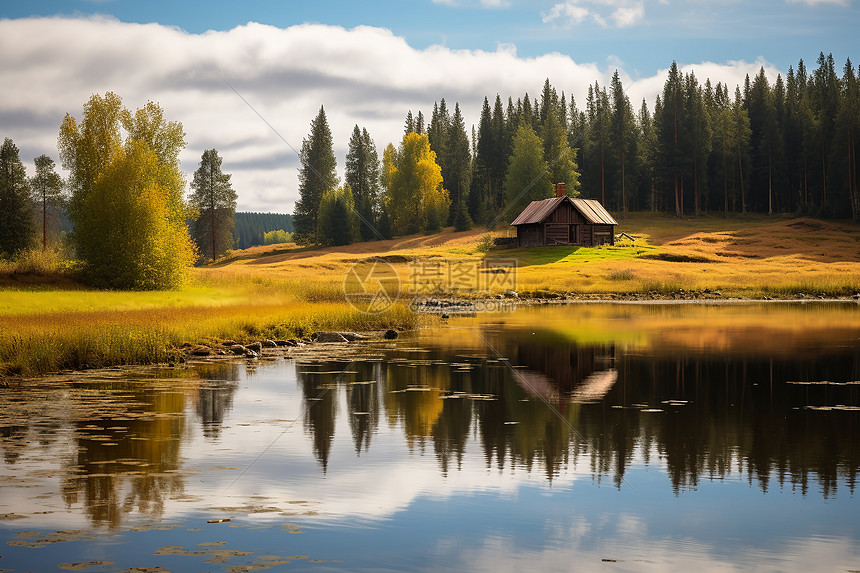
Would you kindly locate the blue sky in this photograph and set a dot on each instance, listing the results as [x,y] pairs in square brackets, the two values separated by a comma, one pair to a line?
[369,63]
[657,32]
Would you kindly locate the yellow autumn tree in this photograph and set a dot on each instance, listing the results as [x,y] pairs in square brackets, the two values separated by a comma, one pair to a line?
[135,232]
[127,205]
[416,199]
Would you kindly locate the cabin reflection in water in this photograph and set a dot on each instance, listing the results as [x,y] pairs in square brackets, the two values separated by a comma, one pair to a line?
[565,372]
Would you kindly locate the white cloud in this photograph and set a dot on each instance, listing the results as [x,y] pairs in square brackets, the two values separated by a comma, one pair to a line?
[621,13]
[365,76]
[567,13]
[629,15]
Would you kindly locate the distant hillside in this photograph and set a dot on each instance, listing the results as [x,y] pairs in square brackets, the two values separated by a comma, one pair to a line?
[250,227]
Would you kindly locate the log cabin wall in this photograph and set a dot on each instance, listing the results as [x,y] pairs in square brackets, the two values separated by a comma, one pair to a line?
[530,235]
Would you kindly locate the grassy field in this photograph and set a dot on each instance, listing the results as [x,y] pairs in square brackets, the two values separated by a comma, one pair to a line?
[49,322]
[749,257]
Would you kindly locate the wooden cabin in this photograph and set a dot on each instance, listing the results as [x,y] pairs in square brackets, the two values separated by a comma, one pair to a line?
[563,220]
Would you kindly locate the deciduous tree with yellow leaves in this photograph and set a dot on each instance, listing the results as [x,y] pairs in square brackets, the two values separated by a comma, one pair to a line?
[416,199]
[127,204]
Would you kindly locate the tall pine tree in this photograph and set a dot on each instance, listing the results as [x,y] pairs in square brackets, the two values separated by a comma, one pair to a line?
[16,212]
[214,200]
[47,188]
[363,178]
[317,175]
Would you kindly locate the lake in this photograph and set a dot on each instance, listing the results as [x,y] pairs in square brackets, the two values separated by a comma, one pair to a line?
[624,437]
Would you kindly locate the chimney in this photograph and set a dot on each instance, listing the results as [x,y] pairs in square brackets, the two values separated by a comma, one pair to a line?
[559,190]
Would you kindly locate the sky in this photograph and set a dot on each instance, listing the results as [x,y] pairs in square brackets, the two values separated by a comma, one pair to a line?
[248,77]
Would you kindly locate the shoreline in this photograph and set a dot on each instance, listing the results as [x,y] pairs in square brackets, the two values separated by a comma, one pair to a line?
[208,348]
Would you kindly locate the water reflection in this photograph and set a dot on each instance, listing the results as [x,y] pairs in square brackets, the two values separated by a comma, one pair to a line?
[535,399]
[215,394]
[119,434]
[529,397]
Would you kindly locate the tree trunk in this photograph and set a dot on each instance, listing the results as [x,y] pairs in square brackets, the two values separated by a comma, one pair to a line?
[823,174]
[769,182]
[653,198]
[852,184]
[623,194]
[805,181]
[677,204]
[695,186]
[602,178]
[725,182]
[212,211]
[741,171]
[44,223]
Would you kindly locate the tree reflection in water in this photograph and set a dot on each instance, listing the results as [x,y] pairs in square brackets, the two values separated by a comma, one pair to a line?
[524,399]
[711,416]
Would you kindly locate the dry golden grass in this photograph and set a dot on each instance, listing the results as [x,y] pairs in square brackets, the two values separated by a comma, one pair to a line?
[37,343]
[750,256]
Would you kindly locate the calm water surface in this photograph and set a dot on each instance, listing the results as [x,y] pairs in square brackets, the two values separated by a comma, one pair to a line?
[611,437]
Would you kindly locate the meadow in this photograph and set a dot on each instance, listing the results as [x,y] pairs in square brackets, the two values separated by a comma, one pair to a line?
[50,322]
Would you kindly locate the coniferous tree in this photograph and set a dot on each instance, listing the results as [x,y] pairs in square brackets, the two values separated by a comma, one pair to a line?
[622,142]
[720,111]
[458,161]
[576,131]
[558,154]
[740,137]
[437,132]
[792,133]
[699,129]
[673,138]
[47,187]
[528,176]
[317,175]
[16,213]
[338,222]
[528,112]
[647,151]
[482,171]
[501,139]
[214,199]
[384,225]
[409,124]
[363,178]
[462,221]
[847,134]
[596,147]
[824,89]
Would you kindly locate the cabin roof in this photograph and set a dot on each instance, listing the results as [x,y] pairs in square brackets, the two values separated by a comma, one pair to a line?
[539,211]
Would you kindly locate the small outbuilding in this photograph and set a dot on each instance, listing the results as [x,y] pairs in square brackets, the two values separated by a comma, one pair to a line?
[563,220]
